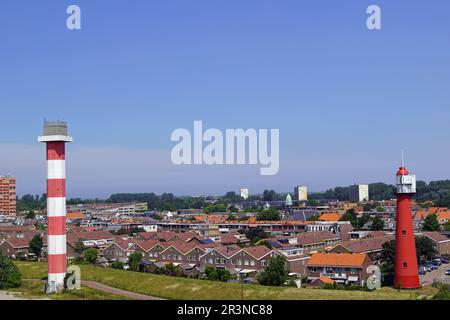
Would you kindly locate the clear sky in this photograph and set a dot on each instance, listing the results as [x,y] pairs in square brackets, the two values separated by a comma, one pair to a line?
[345,99]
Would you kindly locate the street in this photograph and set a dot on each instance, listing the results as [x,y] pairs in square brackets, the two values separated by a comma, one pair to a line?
[437,275]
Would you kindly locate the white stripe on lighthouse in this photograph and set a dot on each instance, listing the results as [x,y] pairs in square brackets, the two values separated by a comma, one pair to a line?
[56,207]
[56,244]
[56,169]
[57,278]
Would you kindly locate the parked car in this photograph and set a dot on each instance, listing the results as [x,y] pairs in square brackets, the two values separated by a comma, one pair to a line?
[423,271]
[424,267]
[437,262]
[447,272]
[444,260]
[431,266]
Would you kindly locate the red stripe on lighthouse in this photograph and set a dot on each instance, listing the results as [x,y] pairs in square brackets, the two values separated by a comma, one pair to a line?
[56,150]
[56,188]
[57,263]
[56,225]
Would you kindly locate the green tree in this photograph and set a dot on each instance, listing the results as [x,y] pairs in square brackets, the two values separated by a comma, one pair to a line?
[134,260]
[269,195]
[388,257]
[425,248]
[214,274]
[363,220]
[446,226]
[431,223]
[377,224]
[271,214]
[351,216]
[117,265]
[275,274]
[30,215]
[79,247]
[90,255]
[256,234]
[10,276]
[215,208]
[35,245]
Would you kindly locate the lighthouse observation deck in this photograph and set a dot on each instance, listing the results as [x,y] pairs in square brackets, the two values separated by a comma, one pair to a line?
[55,131]
[406,184]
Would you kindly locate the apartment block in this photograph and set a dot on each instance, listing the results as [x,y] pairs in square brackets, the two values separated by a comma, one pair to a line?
[359,193]
[7,195]
[300,193]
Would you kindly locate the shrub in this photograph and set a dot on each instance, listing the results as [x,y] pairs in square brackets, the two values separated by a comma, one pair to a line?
[90,255]
[117,265]
[10,276]
[443,293]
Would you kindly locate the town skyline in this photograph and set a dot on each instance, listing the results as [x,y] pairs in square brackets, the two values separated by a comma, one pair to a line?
[340,116]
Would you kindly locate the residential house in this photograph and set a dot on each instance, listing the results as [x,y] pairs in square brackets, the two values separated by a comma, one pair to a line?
[344,268]
[441,242]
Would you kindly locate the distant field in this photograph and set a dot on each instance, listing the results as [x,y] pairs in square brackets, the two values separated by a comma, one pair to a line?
[190,289]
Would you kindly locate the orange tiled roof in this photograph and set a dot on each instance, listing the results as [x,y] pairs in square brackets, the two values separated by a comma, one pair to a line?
[326,280]
[444,215]
[330,217]
[337,259]
[75,215]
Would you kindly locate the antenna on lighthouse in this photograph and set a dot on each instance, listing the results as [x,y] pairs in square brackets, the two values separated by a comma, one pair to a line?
[403,158]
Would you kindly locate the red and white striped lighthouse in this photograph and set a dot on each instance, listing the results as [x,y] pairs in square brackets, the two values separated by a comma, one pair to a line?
[55,137]
[406,270]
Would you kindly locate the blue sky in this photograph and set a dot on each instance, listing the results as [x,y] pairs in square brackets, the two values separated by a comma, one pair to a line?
[345,99]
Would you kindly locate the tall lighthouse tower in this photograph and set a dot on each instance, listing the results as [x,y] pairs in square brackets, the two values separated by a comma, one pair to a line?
[406,270]
[55,137]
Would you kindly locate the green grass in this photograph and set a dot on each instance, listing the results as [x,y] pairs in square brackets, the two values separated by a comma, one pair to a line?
[32,289]
[188,289]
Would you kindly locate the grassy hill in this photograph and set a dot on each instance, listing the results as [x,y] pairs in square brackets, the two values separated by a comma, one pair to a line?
[191,289]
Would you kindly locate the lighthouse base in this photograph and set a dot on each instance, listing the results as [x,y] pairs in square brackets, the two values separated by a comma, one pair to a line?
[55,282]
[407,282]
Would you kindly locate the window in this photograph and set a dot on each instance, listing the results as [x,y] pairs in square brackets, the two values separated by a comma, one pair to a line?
[245,262]
[405,265]
[263,263]
[313,269]
[239,262]
[222,261]
[404,233]
[233,261]
[217,261]
[252,262]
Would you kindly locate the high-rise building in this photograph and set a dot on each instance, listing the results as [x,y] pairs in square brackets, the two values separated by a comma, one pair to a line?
[244,193]
[7,195]
[300,193]
[359,193]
